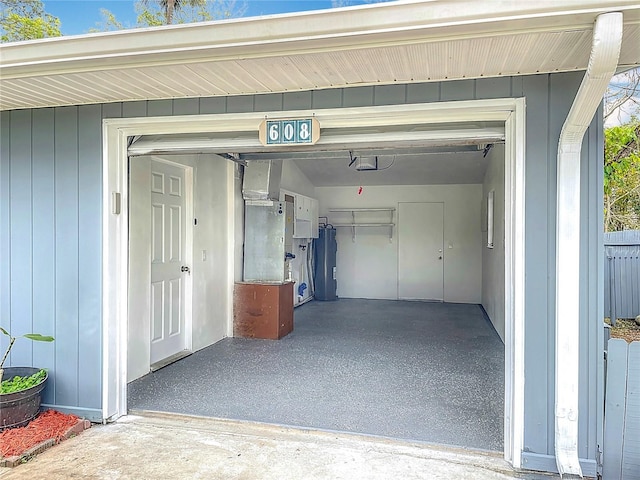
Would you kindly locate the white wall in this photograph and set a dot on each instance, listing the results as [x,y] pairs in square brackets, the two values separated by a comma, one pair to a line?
[293,180]
[493,258]
[238,217]
[210,306]
[210,284]
[368,267]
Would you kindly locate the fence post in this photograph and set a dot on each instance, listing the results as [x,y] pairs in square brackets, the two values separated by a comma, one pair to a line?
[631,446]
[614,411]
[612,284]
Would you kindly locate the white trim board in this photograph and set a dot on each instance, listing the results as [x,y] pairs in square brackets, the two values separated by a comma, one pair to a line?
[115,225]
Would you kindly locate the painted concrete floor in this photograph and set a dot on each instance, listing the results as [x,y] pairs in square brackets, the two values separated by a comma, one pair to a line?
[426,372]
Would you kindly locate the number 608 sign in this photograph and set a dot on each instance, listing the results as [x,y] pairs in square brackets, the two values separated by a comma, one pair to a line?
[289,132]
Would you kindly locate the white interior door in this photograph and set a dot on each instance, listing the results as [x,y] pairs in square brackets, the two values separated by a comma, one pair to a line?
[420,251]
[168,232]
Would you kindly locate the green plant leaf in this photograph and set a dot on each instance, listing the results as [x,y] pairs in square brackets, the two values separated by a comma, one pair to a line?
[5,332]
[38,338]
[19,384]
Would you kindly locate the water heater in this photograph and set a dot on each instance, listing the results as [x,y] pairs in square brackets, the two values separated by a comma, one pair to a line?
[325,250]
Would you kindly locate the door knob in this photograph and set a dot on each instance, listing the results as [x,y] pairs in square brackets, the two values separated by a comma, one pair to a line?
[185,269]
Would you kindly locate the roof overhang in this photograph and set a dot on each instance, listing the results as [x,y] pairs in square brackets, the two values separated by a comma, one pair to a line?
[397,42]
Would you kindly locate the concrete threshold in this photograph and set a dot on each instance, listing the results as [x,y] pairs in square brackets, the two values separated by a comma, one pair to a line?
[172,446]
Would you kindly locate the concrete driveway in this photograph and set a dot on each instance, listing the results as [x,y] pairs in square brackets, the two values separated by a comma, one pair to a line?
[182,447]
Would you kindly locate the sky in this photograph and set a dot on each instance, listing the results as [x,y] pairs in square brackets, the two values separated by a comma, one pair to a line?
[78,16]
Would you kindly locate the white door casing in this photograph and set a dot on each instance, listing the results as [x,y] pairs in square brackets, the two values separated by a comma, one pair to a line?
[141,243]
[116,131]
[168,260]
[420,251]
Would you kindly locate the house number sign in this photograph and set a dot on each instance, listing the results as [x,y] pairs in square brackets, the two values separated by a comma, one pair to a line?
[299,131]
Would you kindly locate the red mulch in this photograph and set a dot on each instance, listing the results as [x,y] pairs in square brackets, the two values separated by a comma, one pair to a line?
[48,425]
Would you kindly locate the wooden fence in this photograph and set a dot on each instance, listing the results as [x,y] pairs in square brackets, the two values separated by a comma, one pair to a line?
[621,449]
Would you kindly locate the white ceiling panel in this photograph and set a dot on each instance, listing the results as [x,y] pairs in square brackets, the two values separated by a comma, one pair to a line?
[630,52]
[389,43]
[414,169]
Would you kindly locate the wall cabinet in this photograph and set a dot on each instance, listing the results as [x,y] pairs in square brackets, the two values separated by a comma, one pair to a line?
[305,221]
[303,208]
[306,217]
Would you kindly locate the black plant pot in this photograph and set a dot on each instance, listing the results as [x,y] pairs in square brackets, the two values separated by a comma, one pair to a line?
[19,408]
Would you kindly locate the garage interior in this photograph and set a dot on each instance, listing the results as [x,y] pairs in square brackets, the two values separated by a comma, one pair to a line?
[373,362]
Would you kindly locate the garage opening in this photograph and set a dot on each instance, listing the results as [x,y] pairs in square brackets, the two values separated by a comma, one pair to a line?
[407,350]
[382,359]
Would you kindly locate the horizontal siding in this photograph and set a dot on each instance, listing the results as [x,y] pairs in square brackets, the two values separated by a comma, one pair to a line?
[50,194]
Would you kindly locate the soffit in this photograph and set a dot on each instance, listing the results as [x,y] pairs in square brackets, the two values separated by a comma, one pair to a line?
[399,42]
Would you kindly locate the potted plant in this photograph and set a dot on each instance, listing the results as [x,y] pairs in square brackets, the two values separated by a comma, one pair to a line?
[20,387]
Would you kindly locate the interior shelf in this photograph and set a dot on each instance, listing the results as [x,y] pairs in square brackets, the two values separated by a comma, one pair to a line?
[354,224]
[362,209]
[363,224]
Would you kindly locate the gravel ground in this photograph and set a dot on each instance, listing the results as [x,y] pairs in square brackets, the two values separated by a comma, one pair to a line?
[626,329]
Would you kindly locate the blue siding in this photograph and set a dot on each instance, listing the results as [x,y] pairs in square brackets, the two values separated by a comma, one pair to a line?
[134,109]
[457,90]
[272,102]
[592,233]
[44,241]
[540,215]
[211,105]
[357,97]
[50,232]
[389,94]
[114,110]
[20,198]
[327,99]
[5,214]
[67,239]
[160,108]
[423,92]
[185,106]
[296,100]
[240,104]
[90,253]
[493,87]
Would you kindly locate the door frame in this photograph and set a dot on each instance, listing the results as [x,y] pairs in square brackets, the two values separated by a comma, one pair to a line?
[442,263]
[115,260]
[188,252]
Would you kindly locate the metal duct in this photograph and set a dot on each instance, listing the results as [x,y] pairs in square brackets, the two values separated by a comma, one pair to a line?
[262,180]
